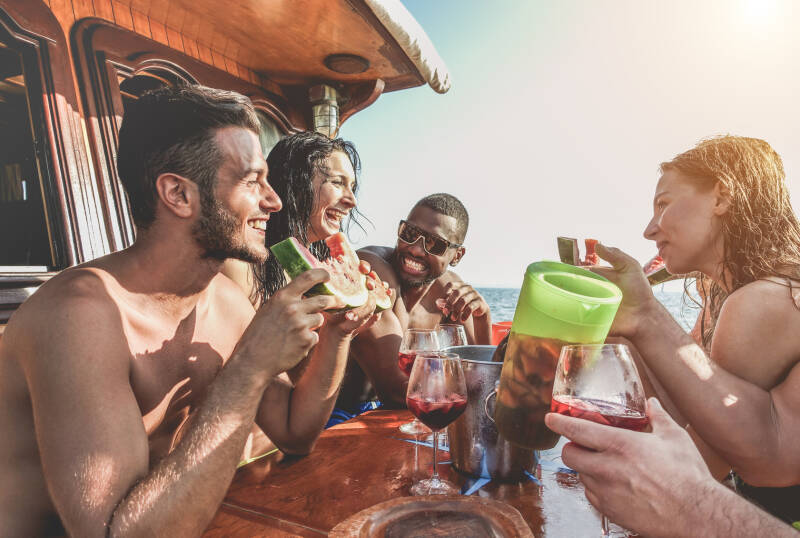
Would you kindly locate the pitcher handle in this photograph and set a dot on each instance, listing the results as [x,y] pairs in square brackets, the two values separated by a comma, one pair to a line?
[490,416]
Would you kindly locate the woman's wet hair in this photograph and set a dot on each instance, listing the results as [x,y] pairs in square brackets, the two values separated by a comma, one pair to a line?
[292,164]
[761,234]
[171,130]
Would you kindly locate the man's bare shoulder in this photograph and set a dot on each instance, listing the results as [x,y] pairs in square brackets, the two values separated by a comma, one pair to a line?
[77,289]
[379,259]
[75,307]
[757,335]
[374,252]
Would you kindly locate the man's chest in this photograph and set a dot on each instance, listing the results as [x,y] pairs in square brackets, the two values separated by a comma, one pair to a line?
[424,314]
[171,370]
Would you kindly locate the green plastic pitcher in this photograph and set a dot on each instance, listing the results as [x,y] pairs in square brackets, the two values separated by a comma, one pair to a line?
[558,304]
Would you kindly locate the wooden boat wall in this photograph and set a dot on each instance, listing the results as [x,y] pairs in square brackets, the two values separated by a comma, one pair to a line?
[67,68]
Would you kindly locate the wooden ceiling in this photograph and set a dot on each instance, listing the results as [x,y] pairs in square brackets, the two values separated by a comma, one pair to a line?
[287,40]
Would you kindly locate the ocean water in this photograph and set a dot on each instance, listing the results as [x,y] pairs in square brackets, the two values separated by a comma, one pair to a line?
[503,302]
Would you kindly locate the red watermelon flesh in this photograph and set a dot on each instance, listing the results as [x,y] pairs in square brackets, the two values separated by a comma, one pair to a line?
[346,281]
[591,256]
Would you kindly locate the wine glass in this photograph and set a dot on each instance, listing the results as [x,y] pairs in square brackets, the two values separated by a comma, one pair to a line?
[415,340]
[451,334]
[437,395]
[599,382]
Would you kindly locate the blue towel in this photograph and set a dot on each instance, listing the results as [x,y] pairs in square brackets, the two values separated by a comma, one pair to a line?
[340,415]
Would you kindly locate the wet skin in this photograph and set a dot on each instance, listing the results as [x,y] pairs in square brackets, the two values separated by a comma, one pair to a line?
[143,389]
[417,279]
[739,398]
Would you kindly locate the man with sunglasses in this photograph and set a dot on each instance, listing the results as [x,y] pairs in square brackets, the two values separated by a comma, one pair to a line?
[426,292]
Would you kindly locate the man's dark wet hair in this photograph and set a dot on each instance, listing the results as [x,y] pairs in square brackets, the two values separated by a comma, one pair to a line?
[449,205]
[172,129]
[291,164]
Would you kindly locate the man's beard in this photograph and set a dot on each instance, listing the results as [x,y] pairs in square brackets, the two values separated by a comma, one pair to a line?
[216,231]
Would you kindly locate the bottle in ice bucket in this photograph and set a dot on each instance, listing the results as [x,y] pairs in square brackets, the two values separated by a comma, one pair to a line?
[558,304]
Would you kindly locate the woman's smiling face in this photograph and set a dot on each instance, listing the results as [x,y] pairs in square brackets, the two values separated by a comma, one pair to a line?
[333,184]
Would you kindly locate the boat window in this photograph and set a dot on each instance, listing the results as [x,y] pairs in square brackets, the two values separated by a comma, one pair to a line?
[132,88]
[269,134]
[24,240]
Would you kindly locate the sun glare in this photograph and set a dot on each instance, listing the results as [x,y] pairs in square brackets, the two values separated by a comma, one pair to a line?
[759,13]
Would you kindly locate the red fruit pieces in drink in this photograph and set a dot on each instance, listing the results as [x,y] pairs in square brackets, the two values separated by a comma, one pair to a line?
[607,413]
[406,361]
[436,413]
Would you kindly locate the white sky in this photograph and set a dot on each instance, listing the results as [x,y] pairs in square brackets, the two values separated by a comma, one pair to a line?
[561,111]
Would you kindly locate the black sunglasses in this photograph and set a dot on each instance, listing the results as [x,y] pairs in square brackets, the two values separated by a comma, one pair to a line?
[433,244]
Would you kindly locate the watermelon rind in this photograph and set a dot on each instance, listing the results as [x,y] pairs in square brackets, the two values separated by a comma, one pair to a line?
[295,262]
[662,275]
[568,250]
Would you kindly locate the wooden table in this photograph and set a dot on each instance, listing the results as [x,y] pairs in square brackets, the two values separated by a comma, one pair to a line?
[365,461]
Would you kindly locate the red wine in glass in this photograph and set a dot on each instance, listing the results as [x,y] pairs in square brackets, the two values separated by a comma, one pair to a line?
[436,414]
[610,414]
[415,341]
[599,382]
[437,395]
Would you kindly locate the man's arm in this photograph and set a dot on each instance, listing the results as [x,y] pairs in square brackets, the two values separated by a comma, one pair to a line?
[656,483]
[93,445]
[748,420]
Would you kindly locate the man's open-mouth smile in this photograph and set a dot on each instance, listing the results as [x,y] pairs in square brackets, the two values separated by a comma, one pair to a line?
[412,267]
[259,224]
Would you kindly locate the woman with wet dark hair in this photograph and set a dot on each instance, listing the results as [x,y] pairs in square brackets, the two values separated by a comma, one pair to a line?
[316,179]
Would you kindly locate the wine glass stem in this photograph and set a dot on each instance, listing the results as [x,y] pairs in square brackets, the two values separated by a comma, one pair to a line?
[604,526]
[435,448]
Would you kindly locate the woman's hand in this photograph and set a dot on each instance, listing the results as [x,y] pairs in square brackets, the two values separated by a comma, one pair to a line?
[351,322]
[638,300]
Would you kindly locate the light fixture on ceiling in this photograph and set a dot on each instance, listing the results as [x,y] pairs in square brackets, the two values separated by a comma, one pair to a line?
[346,64]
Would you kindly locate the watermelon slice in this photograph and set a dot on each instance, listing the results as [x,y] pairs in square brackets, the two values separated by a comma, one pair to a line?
[655,271]
[346,282]
[591,256]
[383,300]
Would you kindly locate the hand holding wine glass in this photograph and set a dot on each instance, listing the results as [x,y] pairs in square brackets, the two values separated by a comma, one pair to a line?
[600,383]
[437,395]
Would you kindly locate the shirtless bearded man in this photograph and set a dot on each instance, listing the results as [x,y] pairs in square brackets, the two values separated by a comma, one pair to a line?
[129,384]
[429,241]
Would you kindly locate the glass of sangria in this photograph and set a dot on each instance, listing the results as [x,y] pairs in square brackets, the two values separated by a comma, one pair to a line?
[599,382]
[451,334]
[415,341]
[437,395]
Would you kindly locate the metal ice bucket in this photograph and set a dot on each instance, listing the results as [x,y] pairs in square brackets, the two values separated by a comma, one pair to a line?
[476,447]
